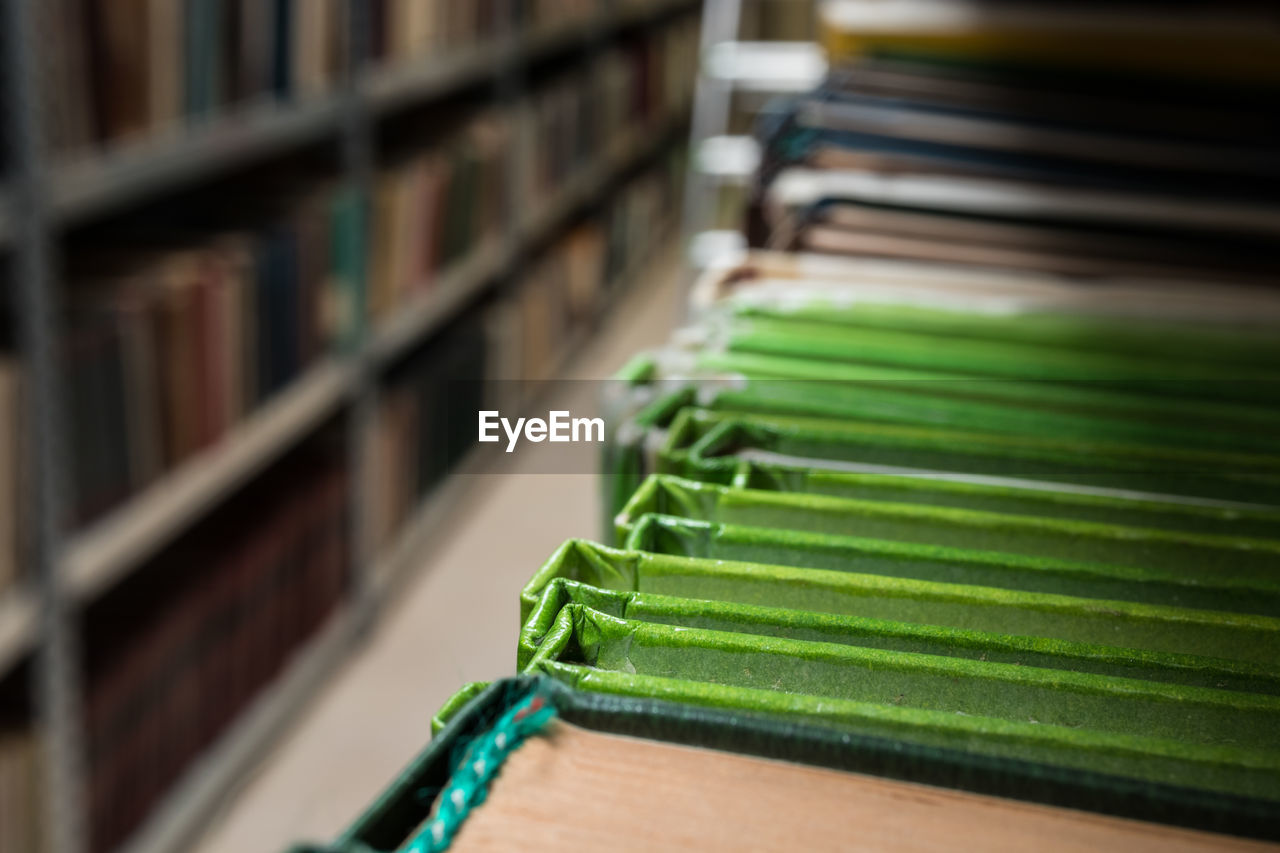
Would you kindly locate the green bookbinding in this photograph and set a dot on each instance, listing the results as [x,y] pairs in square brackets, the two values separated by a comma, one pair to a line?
[1242,637]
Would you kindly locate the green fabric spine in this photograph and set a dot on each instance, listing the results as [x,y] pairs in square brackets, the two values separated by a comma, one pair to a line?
[1160,583]
[1099,398]
[456,703]
[1226,560]
[1170,733]
[937,640]
[714,446]
[1188,377]
[1176,630]
[1163,339]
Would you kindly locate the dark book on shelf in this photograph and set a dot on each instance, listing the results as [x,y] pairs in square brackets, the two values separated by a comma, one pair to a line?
[181,648]
[173,339]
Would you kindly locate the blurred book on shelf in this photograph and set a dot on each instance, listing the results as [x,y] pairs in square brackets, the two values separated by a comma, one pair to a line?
[503,344]
[126,70]
[22,766]
[232,285]
[415,442]
[404,31]
[559,297]
[434,208]
[548,14]
[174,338]
[944,139]
[580,114]
[21,795]
[1232,40]
[179,650]
[23,762]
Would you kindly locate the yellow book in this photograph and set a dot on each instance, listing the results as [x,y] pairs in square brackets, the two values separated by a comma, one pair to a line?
[1205,41]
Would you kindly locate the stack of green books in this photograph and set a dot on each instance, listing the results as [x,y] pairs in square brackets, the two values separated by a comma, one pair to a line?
[1050,537]
[1029,553]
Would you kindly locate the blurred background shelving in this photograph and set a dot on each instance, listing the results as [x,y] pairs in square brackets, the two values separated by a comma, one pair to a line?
[230,269]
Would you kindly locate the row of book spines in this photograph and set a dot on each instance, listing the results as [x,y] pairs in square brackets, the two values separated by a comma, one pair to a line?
[645,203]
[433,210]
[21,790]
[628,89]
[168,694]
[165,363]
[412,445]
[521,333]
[564,290]
[408,29]
[148,426]
[405,29]
[136,67]
[473,190]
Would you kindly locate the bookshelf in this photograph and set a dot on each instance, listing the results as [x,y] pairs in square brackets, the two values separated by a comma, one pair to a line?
[394,562]
[45,196]
[453,289]
[170,826]
[95,185]
[98,556]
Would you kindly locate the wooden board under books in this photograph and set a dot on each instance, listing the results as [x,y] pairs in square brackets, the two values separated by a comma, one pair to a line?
[574,789]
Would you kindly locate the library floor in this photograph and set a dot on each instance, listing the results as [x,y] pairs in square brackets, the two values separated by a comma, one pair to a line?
[456,621]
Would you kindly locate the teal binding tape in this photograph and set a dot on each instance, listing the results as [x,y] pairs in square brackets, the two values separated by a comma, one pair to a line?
[469,784]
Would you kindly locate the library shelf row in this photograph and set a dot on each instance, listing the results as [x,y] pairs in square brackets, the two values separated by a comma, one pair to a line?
[101,183]
[106,551]
[206,785]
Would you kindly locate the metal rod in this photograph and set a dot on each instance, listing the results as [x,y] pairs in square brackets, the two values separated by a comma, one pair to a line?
[56,671]
[712,100]
[357,164]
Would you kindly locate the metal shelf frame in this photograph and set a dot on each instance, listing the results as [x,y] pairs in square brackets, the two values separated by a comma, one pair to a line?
[729,69]
[67,569]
